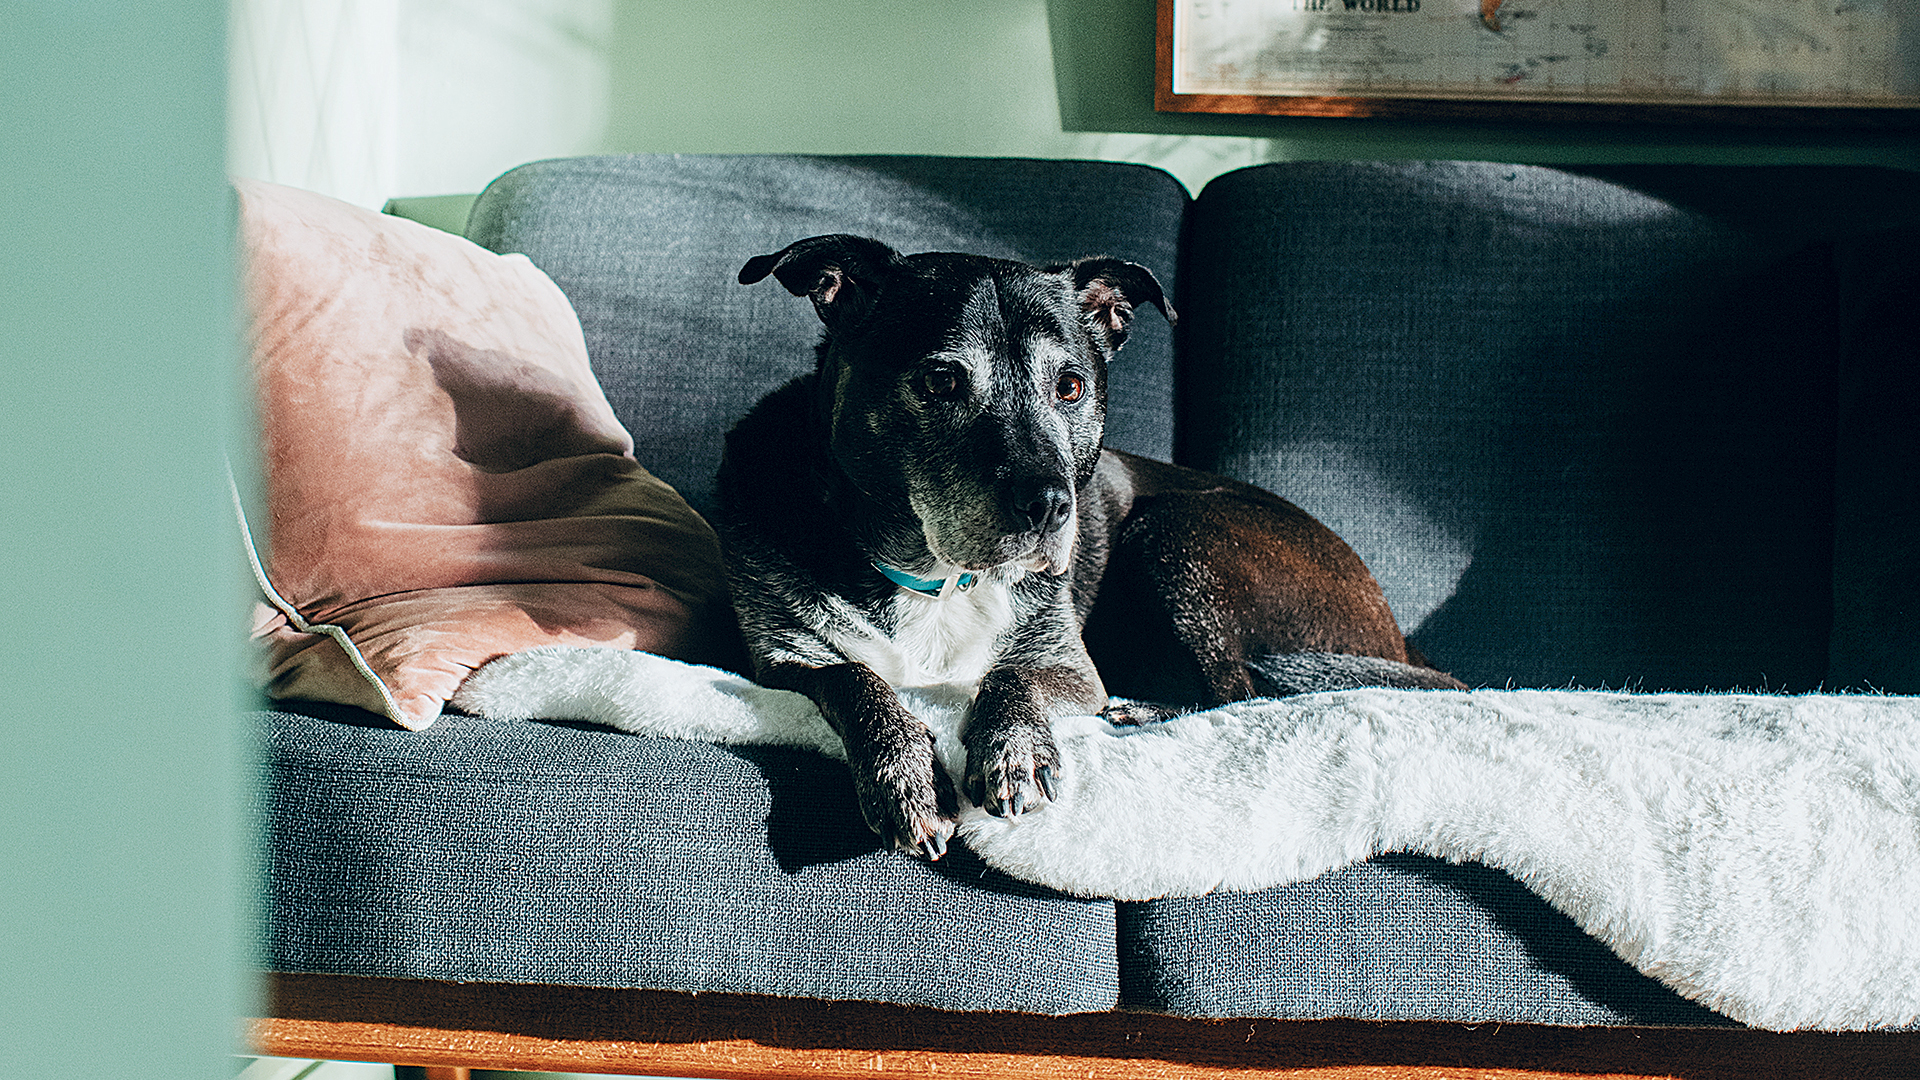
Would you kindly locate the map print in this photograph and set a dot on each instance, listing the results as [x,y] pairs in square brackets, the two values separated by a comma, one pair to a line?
[1771,52]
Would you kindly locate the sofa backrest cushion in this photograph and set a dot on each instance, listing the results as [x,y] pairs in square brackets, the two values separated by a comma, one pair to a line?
[1580,423]
[1876,572]
[648,248]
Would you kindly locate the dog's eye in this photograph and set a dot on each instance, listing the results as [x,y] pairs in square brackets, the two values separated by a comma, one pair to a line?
[941,383]
[1071,387]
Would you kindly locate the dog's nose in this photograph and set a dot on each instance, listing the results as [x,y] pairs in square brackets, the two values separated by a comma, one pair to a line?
[1045,506]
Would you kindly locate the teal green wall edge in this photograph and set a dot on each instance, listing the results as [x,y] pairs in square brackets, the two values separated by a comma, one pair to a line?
[121,612]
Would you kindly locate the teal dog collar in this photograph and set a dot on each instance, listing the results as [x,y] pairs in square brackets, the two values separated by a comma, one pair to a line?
[939,588]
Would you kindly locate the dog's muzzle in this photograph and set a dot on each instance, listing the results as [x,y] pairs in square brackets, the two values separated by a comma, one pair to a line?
[1028,525]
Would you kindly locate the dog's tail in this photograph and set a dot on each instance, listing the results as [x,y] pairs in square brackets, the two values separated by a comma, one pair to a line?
[1287,674]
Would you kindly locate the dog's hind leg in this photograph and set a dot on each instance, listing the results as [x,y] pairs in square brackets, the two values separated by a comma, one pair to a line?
[1225,594]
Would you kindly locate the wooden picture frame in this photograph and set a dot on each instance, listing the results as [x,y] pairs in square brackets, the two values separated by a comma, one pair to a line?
[1479,94]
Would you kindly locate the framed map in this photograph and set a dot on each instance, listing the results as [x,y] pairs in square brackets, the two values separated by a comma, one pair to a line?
[1853,62]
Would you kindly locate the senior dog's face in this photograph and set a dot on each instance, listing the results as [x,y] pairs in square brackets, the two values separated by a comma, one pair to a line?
[967,389]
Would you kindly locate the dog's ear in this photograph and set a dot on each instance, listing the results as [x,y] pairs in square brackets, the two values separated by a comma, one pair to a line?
[1109,289]
[838,272]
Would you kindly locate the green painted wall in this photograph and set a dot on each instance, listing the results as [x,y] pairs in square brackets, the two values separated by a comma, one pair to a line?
[1045,78]
[119,604]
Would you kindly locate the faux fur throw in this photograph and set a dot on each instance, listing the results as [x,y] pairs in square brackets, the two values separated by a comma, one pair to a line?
[1758,854]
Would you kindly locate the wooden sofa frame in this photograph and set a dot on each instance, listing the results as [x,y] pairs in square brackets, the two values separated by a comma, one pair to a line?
[451,1028]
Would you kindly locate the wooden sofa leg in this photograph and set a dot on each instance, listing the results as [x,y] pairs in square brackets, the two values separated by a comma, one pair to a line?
[432,1072]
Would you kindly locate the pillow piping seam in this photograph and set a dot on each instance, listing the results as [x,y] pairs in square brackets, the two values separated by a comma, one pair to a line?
[299,621]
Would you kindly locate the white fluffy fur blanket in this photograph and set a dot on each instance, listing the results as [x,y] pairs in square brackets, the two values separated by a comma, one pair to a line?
[1758,854]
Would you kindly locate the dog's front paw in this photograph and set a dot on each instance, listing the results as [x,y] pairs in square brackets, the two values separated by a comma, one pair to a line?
[1012,769]
[907,798]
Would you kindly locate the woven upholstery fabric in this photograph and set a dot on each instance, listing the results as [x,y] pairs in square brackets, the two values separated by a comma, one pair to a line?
[1401,937]
[648,247]
[1581,425]
[539,853]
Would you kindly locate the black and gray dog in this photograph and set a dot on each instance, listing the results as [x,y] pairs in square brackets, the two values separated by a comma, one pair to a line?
[932,506]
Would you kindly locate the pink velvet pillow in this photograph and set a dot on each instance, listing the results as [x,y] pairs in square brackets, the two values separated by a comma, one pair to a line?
[445,480]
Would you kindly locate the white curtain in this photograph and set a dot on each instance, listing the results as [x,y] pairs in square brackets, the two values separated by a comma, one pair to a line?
[365,100]
[313,96]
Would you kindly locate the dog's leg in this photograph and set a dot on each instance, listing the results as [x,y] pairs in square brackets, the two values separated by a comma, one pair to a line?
[1012,764]
[1235,574]
[903,792]
[1125,712]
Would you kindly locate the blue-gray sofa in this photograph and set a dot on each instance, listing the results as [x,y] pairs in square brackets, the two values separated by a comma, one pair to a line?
[1626,427]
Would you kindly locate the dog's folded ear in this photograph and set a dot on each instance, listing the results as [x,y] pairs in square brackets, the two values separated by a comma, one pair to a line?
[1109,289]
[838,272]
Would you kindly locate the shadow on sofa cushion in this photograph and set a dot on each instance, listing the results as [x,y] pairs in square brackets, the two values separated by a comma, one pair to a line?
[1876,594]
[1399,937]
[1580,424]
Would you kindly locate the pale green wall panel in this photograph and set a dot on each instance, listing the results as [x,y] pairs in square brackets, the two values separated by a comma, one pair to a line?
[972,77]
[1046,78]
[487,84]
[119,598]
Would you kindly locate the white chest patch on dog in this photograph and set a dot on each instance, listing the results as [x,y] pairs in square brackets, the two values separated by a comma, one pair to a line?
[935,641]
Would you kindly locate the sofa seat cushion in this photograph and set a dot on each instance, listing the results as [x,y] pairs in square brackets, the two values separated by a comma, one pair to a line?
[1399,937]
[495,851]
